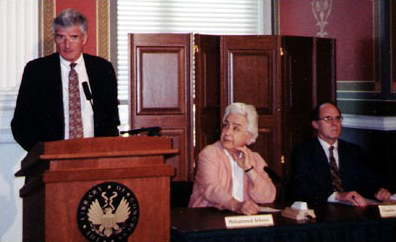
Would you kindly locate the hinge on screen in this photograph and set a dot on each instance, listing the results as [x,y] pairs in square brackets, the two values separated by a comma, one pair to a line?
[196,49]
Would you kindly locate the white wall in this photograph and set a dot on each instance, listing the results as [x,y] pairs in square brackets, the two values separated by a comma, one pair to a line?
[10,202]
[18,44]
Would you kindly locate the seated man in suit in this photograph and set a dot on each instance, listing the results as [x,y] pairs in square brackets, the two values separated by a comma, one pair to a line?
[48,109]
[330,169]
[231,176]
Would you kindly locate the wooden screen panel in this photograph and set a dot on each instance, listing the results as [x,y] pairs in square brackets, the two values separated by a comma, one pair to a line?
[160,73]
[249,71]
[325,70]
[264,145]
[178,140]
[298,74]
[308,73]
[161,91]
[251,79]
[393,45]
[250,74]
[309,77]
[207,90]
[299,95]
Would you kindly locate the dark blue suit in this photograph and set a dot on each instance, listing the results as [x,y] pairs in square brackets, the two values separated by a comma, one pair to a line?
[311,180]
[39,115]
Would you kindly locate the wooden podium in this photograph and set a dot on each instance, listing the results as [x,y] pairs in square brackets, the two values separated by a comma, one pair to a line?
[63,194]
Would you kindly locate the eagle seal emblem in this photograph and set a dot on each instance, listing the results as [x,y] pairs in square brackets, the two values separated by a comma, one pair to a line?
[108,212]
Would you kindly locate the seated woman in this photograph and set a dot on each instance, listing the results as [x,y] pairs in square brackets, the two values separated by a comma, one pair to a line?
[231,176]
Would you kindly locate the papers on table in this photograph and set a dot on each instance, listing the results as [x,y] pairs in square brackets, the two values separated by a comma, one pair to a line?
[368,201]
[269,210]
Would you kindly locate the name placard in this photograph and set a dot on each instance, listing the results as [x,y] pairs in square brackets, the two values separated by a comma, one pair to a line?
[387,211]
[249,221]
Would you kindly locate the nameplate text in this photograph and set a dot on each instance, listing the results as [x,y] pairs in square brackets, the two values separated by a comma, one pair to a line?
[387,211]
[249,221]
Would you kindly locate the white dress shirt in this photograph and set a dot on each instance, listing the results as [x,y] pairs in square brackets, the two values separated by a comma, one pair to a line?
[237,178]
[326,147]
[86,108]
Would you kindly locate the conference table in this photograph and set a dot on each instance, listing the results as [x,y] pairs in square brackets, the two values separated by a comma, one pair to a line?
[333,222]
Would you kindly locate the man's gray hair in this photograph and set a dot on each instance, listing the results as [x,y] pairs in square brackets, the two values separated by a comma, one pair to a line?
[68,18]
[247,110]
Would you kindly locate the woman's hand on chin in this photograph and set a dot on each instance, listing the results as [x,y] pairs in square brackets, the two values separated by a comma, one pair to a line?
[242,157]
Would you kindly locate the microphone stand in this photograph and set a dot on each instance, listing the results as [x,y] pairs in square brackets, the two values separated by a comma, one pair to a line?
[151,131]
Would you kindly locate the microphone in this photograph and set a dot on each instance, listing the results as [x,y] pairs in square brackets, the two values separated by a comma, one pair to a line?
[274,177]
[87,92]
[151,131]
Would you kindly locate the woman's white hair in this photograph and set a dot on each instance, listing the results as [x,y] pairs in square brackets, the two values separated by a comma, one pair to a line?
[247,110]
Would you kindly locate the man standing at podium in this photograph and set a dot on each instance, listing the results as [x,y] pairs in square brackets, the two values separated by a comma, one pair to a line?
[68,94]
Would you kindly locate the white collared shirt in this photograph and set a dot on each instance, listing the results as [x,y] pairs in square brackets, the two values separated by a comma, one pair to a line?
[237,178]
[326,147]
[86,108]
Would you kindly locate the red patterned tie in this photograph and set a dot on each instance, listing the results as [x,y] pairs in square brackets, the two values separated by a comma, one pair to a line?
[337,183]
[75,120]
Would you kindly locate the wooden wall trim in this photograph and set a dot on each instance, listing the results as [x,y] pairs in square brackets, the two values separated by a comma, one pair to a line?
[367,107]
[377,77]
[103,28]
[365,122]
[275,17]
[393,45]
[46,15]
[358,86]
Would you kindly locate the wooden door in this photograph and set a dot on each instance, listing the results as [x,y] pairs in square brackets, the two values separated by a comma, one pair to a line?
[207,90]
[250,74]
[161,91]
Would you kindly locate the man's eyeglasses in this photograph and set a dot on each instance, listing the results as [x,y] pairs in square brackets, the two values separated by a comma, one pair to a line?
[329,119]
[71,38]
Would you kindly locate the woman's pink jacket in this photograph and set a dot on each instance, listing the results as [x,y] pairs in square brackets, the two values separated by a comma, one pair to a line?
[213,180]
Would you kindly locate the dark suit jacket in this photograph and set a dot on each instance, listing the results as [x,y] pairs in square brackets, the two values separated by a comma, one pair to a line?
[311,180]
[39,115]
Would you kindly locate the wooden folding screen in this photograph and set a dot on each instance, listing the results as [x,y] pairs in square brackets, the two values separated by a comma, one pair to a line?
[283,77]
[161,91]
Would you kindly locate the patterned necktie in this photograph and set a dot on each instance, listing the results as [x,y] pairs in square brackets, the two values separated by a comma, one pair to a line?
[75,120]
[337,183]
